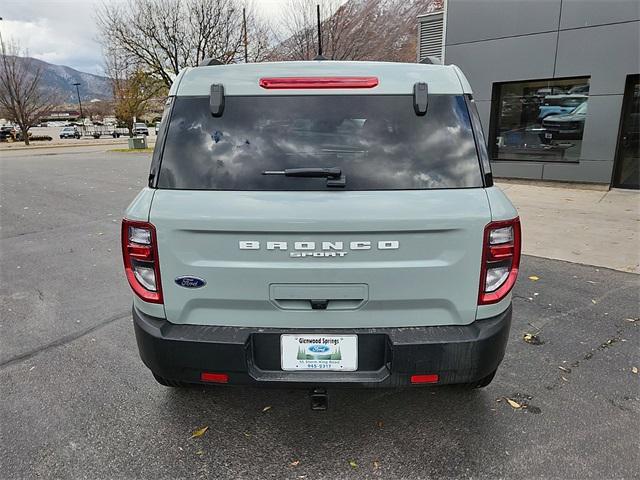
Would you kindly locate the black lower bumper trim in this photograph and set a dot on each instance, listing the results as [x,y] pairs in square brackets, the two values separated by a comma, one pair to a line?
[387,356]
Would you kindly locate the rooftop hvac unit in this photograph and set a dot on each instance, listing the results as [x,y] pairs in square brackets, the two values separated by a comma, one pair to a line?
[430,36]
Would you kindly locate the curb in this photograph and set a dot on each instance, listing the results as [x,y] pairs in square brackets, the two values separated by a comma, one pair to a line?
[71,145]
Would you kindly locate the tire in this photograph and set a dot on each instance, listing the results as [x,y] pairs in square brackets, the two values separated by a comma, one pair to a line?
[483,382]
[165,382]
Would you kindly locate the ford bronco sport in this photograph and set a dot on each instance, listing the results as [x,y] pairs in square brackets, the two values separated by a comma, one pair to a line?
[321,223]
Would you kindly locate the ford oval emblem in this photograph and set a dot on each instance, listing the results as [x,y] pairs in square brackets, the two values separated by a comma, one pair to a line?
[190,282]
[319,348]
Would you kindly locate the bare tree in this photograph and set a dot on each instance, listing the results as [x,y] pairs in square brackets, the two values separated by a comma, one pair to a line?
[355,30]
[260,36]
[164,36]
[341,25]
[22,96]
[97,110]
[133,88]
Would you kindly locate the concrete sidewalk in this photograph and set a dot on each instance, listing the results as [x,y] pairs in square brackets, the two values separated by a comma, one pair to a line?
[579,224]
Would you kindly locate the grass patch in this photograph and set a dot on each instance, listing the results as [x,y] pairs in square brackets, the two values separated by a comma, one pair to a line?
[132,150]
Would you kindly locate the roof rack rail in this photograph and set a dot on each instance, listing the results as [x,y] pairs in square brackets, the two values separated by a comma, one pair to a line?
[431,60]
[207,62]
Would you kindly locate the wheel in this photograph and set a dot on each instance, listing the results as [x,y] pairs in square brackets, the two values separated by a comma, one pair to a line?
[483,382]
[170,383]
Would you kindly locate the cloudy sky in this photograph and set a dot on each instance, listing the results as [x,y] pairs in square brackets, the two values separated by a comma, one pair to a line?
[63,31]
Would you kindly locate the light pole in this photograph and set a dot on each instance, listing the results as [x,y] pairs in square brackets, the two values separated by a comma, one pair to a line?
[77,85]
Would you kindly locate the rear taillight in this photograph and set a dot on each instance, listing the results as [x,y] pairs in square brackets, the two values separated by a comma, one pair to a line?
[500,260]
[140,255]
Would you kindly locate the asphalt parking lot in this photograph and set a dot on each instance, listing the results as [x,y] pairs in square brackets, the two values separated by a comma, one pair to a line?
[77,401]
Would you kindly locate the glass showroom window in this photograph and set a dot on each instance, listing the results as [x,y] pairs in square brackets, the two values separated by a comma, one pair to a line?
[541,120]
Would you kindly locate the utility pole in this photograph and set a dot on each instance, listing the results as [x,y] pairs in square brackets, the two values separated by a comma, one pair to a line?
[77,85]
[246,43]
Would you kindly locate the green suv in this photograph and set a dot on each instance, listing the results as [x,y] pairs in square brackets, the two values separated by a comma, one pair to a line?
[321,223]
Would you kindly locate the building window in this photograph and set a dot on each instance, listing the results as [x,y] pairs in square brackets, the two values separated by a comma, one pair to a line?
[540,120]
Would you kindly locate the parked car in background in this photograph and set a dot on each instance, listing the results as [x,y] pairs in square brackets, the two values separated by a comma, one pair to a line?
[580,89]
[140,129]
[559,104]
[7,132]
[565,127]
[70,132]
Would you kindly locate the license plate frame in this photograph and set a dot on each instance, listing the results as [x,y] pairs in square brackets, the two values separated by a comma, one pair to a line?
[318,352]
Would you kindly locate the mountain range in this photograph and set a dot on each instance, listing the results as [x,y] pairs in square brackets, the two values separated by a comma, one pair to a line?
[61,78]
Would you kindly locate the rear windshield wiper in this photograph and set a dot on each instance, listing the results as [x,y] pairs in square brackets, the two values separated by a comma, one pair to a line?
[332,174]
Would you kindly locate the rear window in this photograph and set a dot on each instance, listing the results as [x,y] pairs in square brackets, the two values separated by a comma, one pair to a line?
[378,142]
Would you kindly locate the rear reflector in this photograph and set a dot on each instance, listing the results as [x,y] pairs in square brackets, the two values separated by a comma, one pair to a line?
[318,82]
[431,378]
[214,377]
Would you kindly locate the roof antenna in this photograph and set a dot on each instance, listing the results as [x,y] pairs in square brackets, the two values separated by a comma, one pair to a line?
[319,56]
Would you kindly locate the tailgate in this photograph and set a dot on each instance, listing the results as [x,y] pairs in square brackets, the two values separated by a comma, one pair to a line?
[367,259]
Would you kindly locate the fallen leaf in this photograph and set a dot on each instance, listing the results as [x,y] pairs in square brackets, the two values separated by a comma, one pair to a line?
[515,405]
[532,339]
[380,424]
[199,432]
[593,301]
[295,463]
[268,407]
[246,434]
[534,278]
[565,379]
[376,465]
[632,320]
[199,452]
[565,369]
[634,370]
[353,464]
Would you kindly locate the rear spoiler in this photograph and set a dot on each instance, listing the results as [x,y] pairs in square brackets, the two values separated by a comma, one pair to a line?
[216,97]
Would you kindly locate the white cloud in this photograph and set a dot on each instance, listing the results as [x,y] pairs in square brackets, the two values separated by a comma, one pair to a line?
[56,31]
[64,31]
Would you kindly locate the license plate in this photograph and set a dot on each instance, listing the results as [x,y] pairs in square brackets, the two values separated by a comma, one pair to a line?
[319,352]
[548,135]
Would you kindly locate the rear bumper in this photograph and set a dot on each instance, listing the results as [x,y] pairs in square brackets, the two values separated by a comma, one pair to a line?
[387,356]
